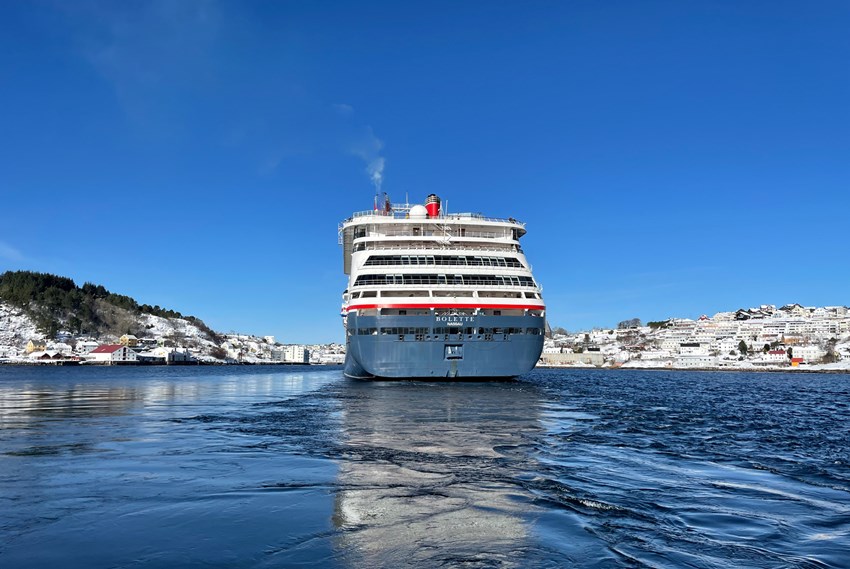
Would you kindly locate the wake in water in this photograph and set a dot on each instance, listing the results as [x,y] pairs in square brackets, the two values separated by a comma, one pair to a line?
[561,468]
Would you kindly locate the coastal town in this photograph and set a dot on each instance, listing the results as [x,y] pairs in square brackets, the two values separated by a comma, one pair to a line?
[792,337]
[170,341]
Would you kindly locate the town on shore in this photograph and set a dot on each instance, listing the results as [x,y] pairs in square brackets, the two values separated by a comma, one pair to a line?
[792,337]
[130,350]
[170,341]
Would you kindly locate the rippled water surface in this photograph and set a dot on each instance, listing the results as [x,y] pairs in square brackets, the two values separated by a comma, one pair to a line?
[281,467]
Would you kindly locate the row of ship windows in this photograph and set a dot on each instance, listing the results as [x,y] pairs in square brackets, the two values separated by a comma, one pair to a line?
[429,231]
[450,260]
[448,312]
[441,331]
[446,293]
[380,246]
[420,279]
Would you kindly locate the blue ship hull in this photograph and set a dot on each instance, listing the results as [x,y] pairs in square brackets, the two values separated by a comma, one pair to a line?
[436,347]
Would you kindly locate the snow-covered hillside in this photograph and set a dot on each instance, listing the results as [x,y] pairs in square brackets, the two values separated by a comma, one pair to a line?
[178,329]
[16,328]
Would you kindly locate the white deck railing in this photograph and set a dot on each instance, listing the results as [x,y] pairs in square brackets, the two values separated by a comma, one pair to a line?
[404,214]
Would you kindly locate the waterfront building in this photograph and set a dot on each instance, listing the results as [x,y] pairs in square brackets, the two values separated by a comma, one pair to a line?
[584,358]
[808,354]
[85,346]
[112,353]
[695,361]
[48,355]
[776,356]
[296,354]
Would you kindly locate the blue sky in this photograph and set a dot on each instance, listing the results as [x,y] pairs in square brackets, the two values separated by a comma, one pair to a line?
[669,158]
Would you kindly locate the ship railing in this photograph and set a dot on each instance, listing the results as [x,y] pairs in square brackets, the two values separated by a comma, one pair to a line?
[449,234]
[447,286]
[480,217]
[426,264]
[403,213]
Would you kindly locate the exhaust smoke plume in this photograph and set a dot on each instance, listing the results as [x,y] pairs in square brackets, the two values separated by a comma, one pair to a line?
[375,169]
[368,147]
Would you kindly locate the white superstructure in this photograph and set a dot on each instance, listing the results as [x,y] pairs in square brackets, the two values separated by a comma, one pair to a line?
[399,257]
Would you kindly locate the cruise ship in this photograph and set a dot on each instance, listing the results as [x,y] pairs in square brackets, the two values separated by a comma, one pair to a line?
[437,295]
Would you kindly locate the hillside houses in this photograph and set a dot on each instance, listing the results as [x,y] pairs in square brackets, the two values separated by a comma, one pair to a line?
[132,350]
[790,336]
[156,339]
[161,341]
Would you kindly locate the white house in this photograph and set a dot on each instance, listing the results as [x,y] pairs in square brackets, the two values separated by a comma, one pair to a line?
[655,355]
[725,345]
[776,356]
[810,354]
[696,360]
[622,356]
[85,346]
[693,349]
[112,353]
[168,355]
[8,351]
[59,347]
[175,355]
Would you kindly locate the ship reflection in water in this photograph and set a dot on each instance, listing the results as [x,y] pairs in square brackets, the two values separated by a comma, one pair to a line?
[428,473]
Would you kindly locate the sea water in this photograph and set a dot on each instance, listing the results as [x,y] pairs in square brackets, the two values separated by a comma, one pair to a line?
[279,467]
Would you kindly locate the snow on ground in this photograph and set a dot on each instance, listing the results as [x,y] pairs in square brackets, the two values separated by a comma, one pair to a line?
[843,365]
[641,364]
[158,327]
[16,328]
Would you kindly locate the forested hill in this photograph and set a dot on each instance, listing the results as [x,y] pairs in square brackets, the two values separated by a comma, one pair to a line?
[57,303]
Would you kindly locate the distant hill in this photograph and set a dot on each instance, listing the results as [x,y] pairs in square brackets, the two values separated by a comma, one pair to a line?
[56,303]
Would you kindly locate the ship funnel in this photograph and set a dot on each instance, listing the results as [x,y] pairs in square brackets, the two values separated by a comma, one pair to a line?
[432,204]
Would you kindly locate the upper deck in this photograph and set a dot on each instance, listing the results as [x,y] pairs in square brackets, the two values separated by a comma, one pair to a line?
[403,213]
[425,227]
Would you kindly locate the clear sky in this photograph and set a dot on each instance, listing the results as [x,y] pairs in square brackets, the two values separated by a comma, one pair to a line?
[669,158]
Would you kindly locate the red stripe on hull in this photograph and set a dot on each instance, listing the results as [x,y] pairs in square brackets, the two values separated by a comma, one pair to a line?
[490,306]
